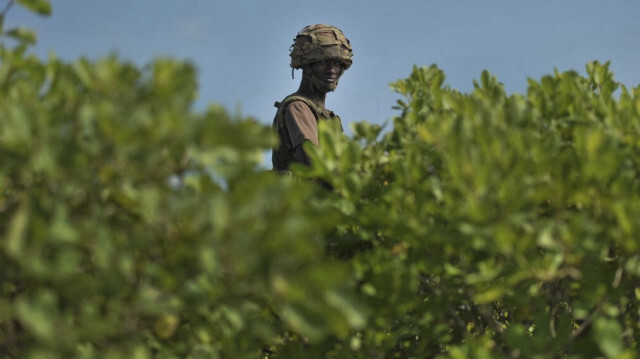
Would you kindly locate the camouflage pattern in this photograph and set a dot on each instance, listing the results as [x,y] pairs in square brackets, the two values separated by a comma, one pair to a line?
[320,42]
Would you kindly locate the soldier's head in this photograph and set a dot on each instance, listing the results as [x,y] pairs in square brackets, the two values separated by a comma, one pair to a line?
[323,53]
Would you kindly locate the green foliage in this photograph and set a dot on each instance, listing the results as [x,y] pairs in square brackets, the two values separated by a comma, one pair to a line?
[22,35]
[494,225]
[134,227]
[479,225]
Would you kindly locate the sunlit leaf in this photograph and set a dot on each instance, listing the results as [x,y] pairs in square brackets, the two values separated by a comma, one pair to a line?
[40,7]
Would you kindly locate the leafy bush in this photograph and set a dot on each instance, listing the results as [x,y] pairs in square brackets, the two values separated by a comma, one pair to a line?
[479,225]
[133,227]
[495,225]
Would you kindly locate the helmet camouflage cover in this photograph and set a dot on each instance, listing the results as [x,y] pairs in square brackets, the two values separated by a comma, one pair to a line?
[320,42]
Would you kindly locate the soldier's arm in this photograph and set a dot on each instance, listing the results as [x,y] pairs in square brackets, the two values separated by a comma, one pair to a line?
[302,119]
[302,127]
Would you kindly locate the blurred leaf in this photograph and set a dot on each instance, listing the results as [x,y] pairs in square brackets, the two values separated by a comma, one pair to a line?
[40,7]
[353,313]
[166,326]
[14,241]
[38,314]
[23,35]
[608,335]
[303,325]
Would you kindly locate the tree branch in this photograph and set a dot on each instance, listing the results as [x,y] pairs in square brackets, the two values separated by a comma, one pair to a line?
[7,7]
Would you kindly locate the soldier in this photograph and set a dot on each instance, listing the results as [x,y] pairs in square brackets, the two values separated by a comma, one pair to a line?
[323,53]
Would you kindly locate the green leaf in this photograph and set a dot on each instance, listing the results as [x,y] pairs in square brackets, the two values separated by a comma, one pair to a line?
[38,314]
[14,242]
[351,310]
[608,335]
[23,35]
[40,7]
[489,295]
[300,323]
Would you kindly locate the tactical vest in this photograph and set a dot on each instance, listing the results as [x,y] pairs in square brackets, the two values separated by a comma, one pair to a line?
[282,156]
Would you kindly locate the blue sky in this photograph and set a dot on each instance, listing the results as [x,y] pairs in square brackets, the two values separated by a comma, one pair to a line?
[241,47]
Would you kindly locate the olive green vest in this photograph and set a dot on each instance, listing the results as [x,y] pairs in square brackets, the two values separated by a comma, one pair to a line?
[284,154]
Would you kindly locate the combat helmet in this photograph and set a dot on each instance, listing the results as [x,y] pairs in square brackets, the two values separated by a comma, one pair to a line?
[320,42]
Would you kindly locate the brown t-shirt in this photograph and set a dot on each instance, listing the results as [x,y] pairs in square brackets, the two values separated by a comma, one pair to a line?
[300,124]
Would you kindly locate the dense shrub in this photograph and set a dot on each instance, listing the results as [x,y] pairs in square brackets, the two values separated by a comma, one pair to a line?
[488,224]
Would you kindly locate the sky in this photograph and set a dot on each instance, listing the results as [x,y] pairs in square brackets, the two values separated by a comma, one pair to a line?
[241,47]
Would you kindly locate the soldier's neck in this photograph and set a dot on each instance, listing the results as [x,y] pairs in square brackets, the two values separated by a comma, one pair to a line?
[307,90]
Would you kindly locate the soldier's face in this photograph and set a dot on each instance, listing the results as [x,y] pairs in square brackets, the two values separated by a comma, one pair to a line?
[328,71]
